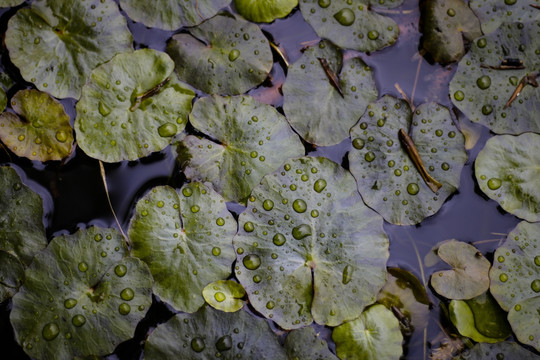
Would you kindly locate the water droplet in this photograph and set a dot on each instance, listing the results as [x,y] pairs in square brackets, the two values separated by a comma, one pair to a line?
[195,209]
[216,251]
[127,294]
[413,188]
[224,343]
[103,109]
[299,206]
[124,309]
[537,260]
[301,231]
[268,204]
[167,130]
[370,156]
[249,227]
[517,307]
[483,82]
[252,261]
[70,303]
[500,259]
[78,320]
[397,172]
[510,2]
[459,95]
[494,183]
[279,239]
[345,17]
[83,266]
[187,191]
[503,277]
[220,221]
[219,296]
[234,54]
[257,279]
[347,274]
[270,305]
[50,331]
[314,213]
[319,185]
[373,35]
[481,43]
[120,270]
[535,285]
[197,344]
[487,109]
[358,143]
[451,12]
[324,3]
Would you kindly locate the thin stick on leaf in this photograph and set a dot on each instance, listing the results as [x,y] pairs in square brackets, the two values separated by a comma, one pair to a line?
[280,53]
[407,142]
[153,91]
[403,95]
[535,6]
[332,76]
[104,178]
[526,80]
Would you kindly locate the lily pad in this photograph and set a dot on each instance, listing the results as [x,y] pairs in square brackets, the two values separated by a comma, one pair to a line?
[352,24]
[492,13]
[304,343]
[482,89]
[185,237]
[515,281]
[446,27]
[314,106]
[41,131]
[469,275]
[503,350]
[209,332]
[132,106]
[223,55]
[387,179]
[306,246]
[224,295]
[507,170]
[374,335]
[172,14]
[251,140]
[10,3]
[82,296]
[56,43]
[11,275]
[264,11]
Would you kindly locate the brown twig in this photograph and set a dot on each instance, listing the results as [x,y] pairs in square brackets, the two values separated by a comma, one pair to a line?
[332,76]
[104,178]
[153,91]
[526,80]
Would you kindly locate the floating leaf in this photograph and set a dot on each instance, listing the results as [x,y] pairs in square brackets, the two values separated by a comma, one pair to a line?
[386,177]
[469,275]
[56,43]
[313,105]
[492,13]
[41,131]
[252,140]
[11,275]
[224,295]
[306,244]
[82,296]
[503,350]
[304,343]
[10,3]
[172,14]
[507,171]
[223,55]
[208,332]
[352,26]
[481,90]
[446,26]
[3,100]
[132,106]
[264,11]
[374,335]
[515,281]
[185,237]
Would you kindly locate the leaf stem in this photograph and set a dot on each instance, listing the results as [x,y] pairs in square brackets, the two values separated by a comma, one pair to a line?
[332,76]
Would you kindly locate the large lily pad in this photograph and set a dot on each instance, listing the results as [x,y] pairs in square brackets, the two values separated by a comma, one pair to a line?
[375,335]
[503,350]
[209,332]
[387,178]
[82,296]
[304,343]
[224,295]
[492,13]
[56,43]
[171,14]
[41,131]
[308,248]
[264,11]
[515,281]
[251,140]
[223,55]
[482,93]
[352,24]
[185,237]
[507,170]
[132,106]
[313,104]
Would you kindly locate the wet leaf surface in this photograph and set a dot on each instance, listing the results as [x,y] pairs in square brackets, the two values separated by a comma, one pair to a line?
[224,295]
[502,350]
[492,13]
[264,11]
[304,343]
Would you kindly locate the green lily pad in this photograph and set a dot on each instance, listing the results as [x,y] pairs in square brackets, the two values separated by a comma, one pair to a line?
[492,13]
[387,179]
[446,27]
[11,275]
[209,332]
[251,140]
[480,319]
[374,335]
[223,55]
[312,103]
[82,296]
[352,25]
[10,3]
[264,11]
[507,170]
[306,243]
[304,343]
[469,276]
[3,100]
[482,93]
[132,106]
[515,281]
[502,350]
[172,14]
[41,132]
[56,43]
[224,295]
[185,237]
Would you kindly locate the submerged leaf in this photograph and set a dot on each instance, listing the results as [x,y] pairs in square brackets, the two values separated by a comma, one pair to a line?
[224,295]
[503,350]
[492,13]
[304,343]
[264,11]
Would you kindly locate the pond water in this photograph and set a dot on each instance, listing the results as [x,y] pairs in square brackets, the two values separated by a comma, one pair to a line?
[74,195]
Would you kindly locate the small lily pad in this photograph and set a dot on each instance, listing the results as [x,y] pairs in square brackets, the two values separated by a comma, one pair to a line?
[375,335]
[42,130]
[492,13]
[172,14]
[185,237]
[304,343]
[264,11]
[515,281]
[132,106]
[507,171]
[387,179]
[82,296]
[209,332]
[56,43]
[223,55]
[305,243]
[502,350]
[314,106]
[224,295]
[251,140]
[469,276]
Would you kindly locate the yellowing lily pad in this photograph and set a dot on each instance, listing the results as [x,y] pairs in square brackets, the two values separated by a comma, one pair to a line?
[264,11]
[492,13]
[224,295]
